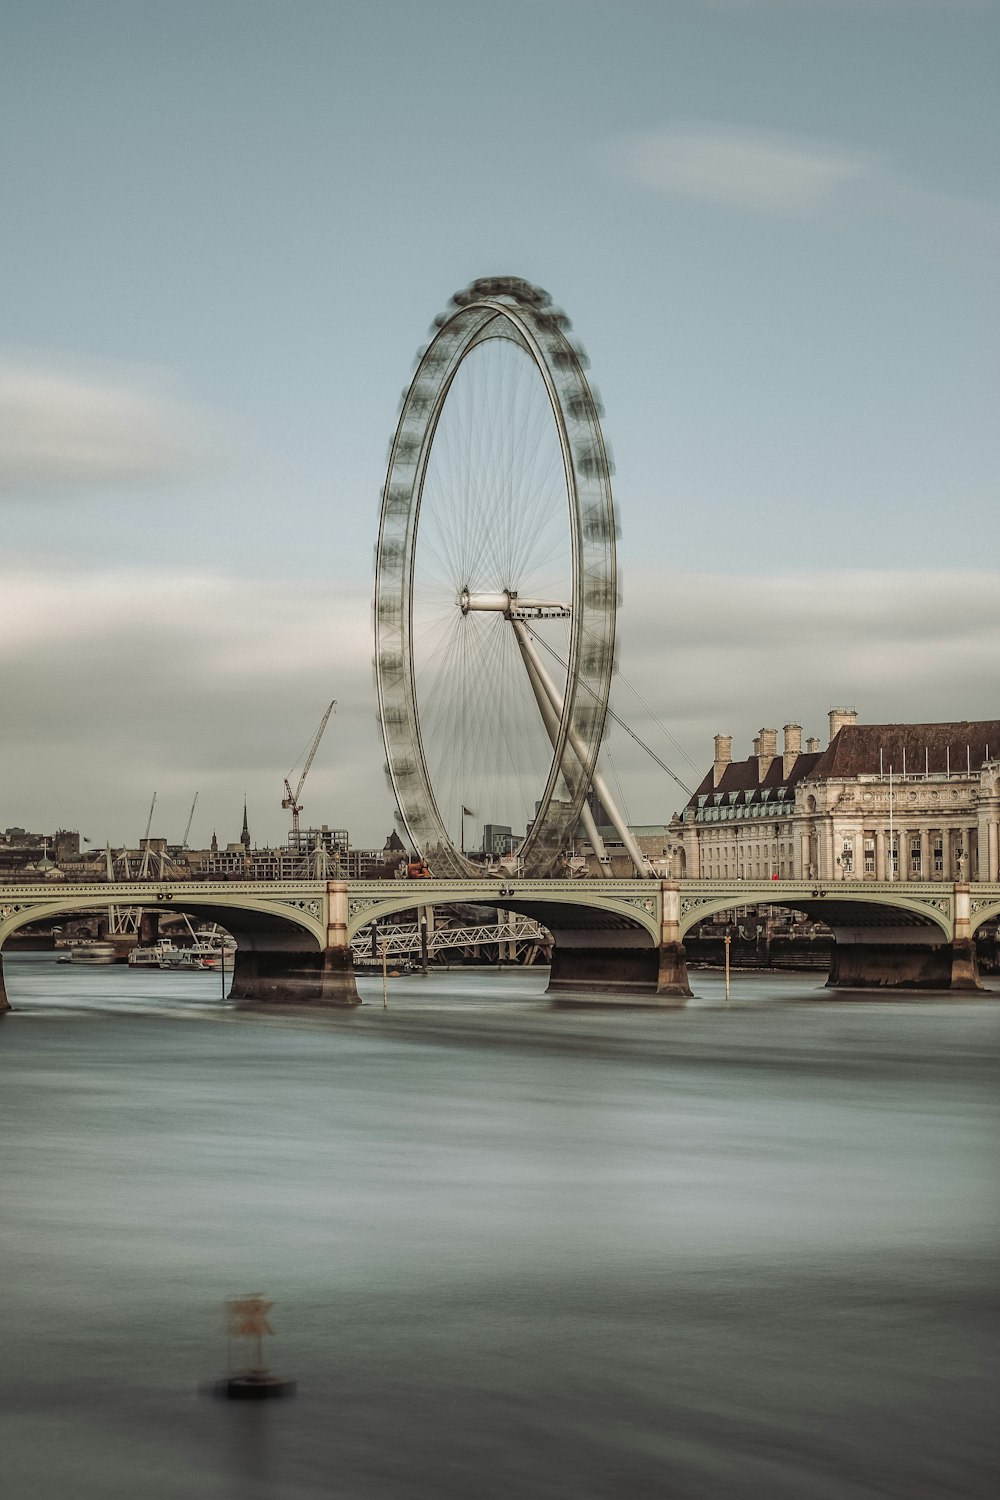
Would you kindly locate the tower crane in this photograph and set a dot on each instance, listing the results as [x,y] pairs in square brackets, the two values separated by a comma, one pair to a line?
[291,799]
[187,830]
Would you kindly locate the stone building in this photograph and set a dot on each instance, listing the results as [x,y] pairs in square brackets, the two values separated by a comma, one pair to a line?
[880,802]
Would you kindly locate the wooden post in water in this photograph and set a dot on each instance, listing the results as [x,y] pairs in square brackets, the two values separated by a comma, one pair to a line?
[727,940]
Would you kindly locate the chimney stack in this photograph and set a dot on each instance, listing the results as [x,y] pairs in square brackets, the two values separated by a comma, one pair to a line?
[766,750]
[723,757]
[839,717]
[812,745]
[792,749]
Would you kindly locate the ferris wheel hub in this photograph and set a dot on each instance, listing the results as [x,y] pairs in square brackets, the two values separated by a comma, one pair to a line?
[512,607]
[497,604]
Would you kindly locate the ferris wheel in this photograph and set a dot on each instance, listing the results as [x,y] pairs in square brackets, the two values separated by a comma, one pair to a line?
[496,586]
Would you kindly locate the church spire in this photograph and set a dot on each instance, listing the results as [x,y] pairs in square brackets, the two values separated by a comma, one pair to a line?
[245,835]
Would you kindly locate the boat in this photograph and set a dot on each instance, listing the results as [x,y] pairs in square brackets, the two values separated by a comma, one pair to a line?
[208,949]
[182,960]
[151,957]
[214,948]
[90,953]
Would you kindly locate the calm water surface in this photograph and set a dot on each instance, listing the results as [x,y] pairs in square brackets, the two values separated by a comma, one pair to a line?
[722,1252]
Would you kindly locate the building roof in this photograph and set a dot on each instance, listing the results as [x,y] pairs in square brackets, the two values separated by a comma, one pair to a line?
[856,751]
[744,776]
[865,749]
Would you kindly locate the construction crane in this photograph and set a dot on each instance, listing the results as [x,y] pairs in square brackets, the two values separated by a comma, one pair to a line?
[291,799]
[194,804]
[144,843]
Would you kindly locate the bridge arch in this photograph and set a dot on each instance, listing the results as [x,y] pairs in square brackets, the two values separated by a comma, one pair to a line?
[885,936]
[837,909]
[605,941]
[984,913]
[254,922]
[281,954]
[549,907]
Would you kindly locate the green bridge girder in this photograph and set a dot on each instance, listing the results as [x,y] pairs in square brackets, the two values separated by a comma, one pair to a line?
[331,913]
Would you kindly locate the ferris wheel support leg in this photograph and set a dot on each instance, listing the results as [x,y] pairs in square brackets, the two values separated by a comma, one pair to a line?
[551,713]
[551,709]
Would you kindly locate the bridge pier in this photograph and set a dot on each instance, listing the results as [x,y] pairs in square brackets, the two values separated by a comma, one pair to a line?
[907,958]
[314,977]
[869,963]
[615,967]
[323,977]
[4,1002]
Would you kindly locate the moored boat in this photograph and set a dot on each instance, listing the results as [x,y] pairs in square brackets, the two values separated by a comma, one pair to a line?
[92,953]
[150,957]
[182,960]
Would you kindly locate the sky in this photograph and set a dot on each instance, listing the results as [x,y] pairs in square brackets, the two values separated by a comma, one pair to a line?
[227,227]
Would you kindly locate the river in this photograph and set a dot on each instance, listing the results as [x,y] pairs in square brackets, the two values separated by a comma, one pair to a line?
[710,1254]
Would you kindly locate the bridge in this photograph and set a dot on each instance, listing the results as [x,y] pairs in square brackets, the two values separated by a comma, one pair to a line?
[614,941]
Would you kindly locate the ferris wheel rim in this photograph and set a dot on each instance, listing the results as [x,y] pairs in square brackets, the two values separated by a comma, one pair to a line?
[592,549]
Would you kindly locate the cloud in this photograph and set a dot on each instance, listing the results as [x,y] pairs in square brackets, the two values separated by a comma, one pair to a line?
[718,653]
[756,170]
[120,684]
[792,178]
[62,429]
[117,684]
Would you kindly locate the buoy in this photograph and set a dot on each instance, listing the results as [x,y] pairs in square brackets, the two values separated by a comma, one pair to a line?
[256,1385]
[246,1318]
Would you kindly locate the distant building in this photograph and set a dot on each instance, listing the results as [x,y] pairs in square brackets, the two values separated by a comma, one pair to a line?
[376,864]
[881,802]
[655,841]
[499,840]
[306,840]
[22,852]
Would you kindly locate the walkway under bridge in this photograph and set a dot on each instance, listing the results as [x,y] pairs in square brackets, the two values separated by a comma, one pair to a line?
[614,941]
[514,937]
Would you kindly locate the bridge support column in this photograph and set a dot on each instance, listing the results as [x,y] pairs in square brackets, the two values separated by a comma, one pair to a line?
[907,958]
[672,979]
[622,968]
[317,977]
[964,969]
[4,1002]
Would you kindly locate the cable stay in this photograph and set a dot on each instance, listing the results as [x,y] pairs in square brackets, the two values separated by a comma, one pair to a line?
[618,718]
[658,722]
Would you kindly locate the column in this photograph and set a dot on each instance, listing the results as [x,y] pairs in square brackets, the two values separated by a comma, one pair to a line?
[925,854]
[994,850]
[673,976]
[964,973]
[692,851]
[827,861]
[948,853]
